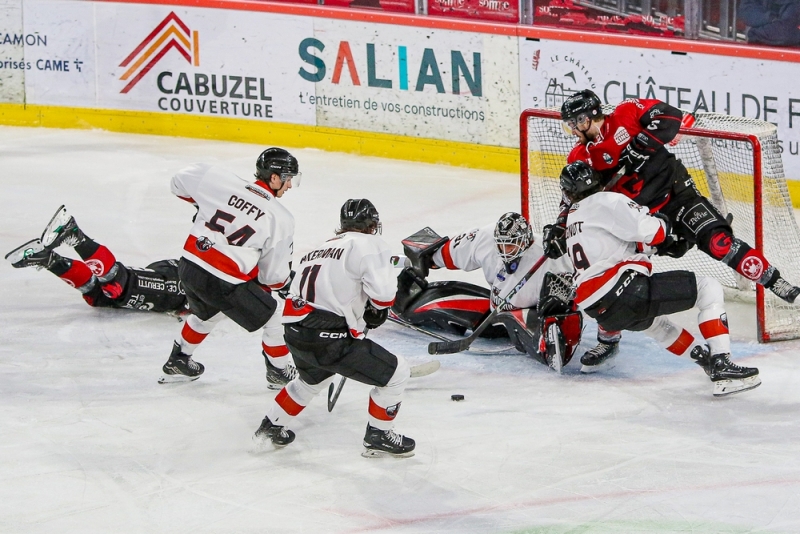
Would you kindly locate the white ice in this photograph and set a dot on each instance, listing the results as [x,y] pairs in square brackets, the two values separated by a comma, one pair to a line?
[89,442]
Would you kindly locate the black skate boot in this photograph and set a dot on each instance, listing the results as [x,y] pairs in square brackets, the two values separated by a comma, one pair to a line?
[277,378]
[600,358]
[280,436]
[702,357]
[32,254]
[729,378]
[180,367]
[379,442]
[783,289]
[62,230]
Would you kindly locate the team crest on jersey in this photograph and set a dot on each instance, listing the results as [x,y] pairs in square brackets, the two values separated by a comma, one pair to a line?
[203,244]
[621,136]
[256,191]
[607,158]
[634,205]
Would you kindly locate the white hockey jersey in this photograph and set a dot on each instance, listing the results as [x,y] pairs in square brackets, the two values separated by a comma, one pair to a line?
[340,276]
[476,249]
[241,230]
[608,234]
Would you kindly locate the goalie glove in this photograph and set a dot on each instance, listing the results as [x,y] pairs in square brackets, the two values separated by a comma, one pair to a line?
[554,240]
[373,316]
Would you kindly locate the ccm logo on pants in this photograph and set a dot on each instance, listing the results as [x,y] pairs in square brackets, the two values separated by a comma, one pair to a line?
[333,335]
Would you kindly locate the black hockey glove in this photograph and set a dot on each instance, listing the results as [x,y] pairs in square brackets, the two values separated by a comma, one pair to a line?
[373,316]
[554,241]
[633,157]
[675,249]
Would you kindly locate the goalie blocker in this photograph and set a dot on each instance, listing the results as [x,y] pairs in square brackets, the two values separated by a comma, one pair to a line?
[549,333]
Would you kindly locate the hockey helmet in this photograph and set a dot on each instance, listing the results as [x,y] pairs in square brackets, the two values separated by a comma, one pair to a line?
[278,161]
[579,180]
[580,108]
[512,235]
[360,215]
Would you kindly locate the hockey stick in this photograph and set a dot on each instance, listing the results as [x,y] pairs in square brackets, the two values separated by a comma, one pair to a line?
[417,371]
[416,328]
[460,345]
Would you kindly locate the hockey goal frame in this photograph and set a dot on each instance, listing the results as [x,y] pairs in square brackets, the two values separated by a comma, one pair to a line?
[762,332]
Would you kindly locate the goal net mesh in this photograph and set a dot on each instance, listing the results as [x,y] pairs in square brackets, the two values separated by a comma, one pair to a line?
[723,170]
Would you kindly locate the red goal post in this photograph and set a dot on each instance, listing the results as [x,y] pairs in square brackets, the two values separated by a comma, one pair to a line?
[734,161]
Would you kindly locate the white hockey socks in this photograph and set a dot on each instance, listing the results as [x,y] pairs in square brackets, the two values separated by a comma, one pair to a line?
[275,350]
[292,400]
[712,319]
[384,402]
[672,337]
[194,331]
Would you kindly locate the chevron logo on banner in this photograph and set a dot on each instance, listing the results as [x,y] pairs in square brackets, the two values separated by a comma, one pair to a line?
[171,33]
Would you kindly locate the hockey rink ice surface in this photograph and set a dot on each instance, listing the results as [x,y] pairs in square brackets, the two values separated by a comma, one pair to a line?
[91,443]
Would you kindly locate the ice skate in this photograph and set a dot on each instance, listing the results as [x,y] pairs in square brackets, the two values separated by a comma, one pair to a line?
[702,357]
[379,443]
[280,436]
[31,254]
[277,378]
[555,348]
[601,358]
[784,290]
[729,378]
[180,367]
[62,230]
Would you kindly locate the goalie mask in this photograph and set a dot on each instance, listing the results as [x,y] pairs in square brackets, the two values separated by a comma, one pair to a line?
[513,236]
[359,215]
[278,161]
[578,181]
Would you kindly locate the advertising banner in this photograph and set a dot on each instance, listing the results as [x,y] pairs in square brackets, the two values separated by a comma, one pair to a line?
[494,10]
[416,82]
[213,62]
[765,90]
[12,52]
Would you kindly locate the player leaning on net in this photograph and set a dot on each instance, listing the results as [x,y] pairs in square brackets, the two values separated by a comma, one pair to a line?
[98,276]
[238,254]
[627,148]
[343,287]
[609,237]
[506,251]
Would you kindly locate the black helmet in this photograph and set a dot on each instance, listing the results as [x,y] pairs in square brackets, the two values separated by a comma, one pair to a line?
[583,104]
[277,161]
[360,215]
[512,229]
[579,180]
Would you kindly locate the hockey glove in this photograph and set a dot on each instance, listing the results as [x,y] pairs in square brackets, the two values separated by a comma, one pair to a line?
[633,157]
[373,316]
[554,241]
[676,248]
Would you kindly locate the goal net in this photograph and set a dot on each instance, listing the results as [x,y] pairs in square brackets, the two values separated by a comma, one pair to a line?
[735,162]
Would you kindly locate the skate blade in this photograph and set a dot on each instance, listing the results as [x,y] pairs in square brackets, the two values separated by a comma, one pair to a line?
[263,443]
[605,366]
[23,251]
[724,388]
[374,453]
[177,379]
[50,232]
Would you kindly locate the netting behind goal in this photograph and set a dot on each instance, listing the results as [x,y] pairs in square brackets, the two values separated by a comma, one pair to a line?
[734,161]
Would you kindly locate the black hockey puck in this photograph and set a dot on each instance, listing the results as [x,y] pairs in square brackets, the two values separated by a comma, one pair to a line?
[457,397]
